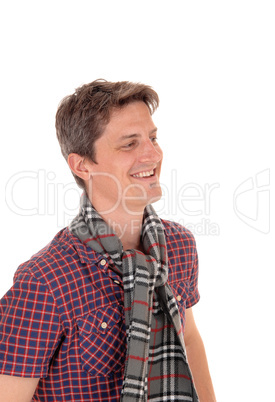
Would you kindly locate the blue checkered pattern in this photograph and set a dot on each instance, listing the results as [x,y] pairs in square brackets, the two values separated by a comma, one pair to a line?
[63,319]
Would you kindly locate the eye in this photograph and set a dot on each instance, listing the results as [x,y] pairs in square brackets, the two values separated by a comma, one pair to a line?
[154,139]
[129,145]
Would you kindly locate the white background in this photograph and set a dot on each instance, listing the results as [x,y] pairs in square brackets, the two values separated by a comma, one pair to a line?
[212,63]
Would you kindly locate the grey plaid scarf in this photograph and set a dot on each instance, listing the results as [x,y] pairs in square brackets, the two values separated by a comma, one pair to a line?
[156,367]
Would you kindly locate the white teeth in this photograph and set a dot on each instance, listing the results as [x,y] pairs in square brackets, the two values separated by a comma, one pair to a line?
[144,174]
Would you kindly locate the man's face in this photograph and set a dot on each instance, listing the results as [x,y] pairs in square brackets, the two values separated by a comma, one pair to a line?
[128,162]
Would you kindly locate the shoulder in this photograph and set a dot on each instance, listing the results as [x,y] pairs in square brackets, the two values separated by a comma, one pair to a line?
[59,255]
[181,250]
[176,233]
[45,256]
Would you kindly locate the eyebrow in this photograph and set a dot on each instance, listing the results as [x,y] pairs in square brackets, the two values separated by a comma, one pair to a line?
[129,136]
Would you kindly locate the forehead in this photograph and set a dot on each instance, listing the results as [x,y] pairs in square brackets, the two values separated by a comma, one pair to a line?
[134,118]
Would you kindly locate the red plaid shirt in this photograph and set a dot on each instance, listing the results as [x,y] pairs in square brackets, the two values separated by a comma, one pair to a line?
[63,319]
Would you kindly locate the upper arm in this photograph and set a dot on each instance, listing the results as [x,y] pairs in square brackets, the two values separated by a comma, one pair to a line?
[30,329]
[17,389]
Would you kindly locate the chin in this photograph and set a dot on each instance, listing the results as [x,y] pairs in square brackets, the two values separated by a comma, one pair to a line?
[154,197]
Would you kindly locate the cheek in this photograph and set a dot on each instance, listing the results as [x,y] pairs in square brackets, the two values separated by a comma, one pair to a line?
[106,182]
[125,164]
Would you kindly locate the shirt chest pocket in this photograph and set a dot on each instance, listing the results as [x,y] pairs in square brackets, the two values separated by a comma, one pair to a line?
[102,341]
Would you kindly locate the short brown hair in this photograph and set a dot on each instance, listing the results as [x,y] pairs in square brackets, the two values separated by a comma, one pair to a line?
[82,116]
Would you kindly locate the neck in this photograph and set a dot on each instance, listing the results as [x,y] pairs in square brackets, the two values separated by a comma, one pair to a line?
[125,224]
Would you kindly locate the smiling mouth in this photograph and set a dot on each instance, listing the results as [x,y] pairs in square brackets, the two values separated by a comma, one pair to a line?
[149,173]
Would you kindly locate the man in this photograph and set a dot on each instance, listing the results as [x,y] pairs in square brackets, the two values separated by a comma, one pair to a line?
[99,314]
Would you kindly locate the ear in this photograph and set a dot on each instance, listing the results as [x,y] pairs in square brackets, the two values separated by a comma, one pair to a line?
[80,166]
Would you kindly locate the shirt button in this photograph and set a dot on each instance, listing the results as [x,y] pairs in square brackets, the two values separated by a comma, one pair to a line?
[103,262]
[104,325]
[178,298]
[117,282]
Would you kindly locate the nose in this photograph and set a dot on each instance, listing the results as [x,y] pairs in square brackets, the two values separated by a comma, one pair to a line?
[150,152]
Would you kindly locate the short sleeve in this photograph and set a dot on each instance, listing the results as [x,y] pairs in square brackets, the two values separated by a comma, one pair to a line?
[193,293]
[30,329]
